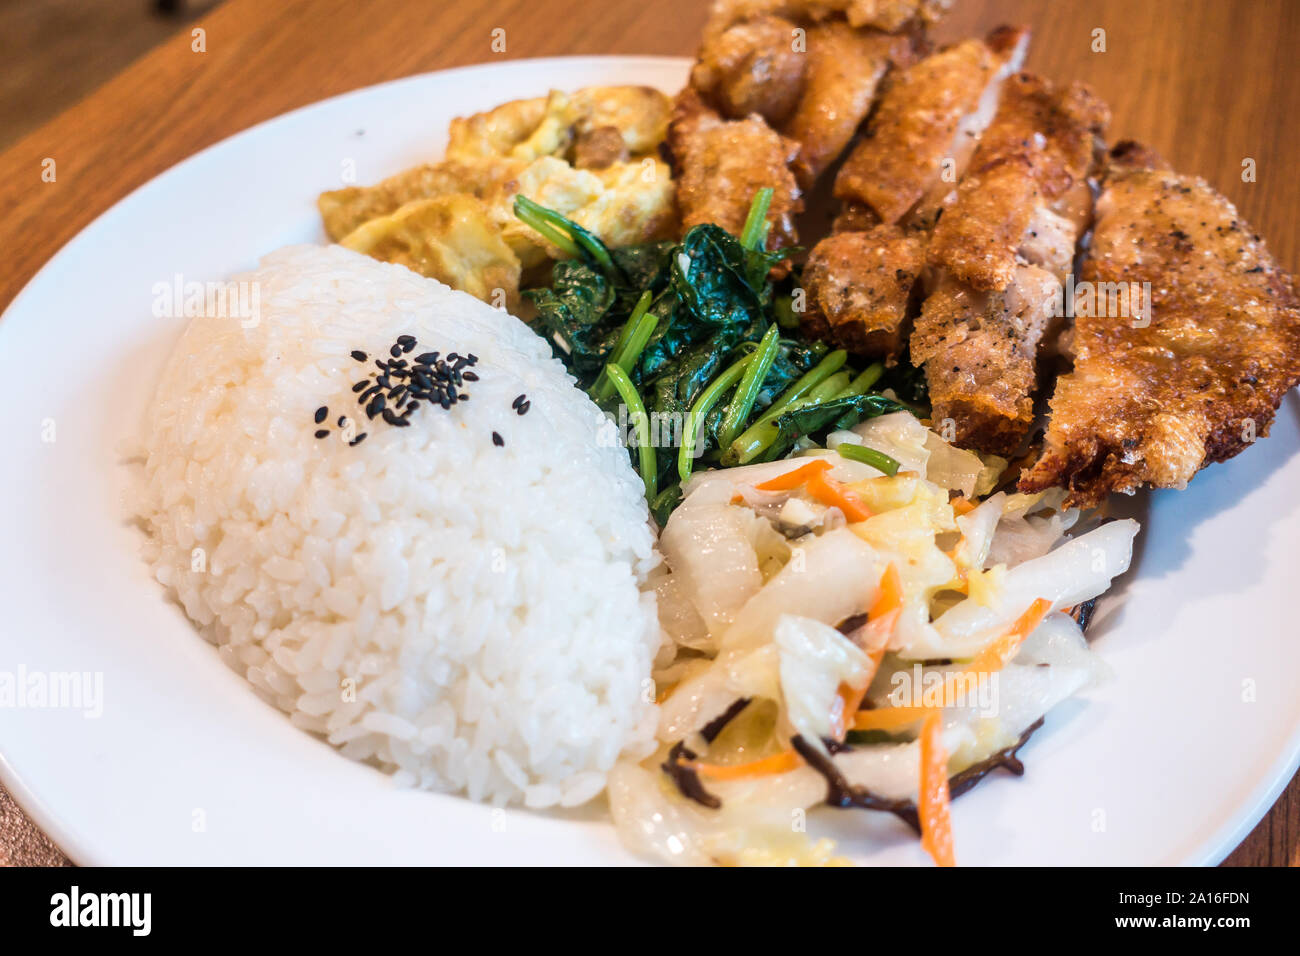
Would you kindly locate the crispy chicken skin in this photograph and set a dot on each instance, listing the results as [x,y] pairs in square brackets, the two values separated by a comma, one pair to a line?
[888,15]
[752,67]
[932,112]
[722,163]
[1032,164]
[997,258]
[858,286]
[1200,373]
[845,67]
[980,352]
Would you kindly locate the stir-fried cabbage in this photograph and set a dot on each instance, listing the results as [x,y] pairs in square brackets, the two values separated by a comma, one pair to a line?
[782,618]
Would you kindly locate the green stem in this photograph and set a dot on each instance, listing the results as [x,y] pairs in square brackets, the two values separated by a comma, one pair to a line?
[746,394]
[700,410]
[631,341]
[756,439]
[862,384]
[649,466]
[868,456]
[571,238]
[755,231]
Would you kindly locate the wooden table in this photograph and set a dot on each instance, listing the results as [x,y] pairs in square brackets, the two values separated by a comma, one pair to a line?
[1209,83]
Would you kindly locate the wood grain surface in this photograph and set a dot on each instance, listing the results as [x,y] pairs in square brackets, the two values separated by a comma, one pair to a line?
[1209,83]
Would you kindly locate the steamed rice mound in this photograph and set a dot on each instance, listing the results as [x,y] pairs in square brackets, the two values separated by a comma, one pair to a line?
[466,616]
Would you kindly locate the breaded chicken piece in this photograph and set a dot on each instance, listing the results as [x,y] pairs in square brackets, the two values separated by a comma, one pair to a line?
[926,126]
[752,67]
[1164,391]
[980,352]
[1026,196]
[721,164]
[888,15]
[858,287]
[845,67]
[998,256]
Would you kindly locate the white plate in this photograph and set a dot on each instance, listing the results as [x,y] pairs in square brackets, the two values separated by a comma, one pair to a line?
[1173,762]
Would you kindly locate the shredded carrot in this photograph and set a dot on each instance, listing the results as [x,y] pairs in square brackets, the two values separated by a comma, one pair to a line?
[890,597]
[934,806]
[793,479]
[781,762]
[962,505]
[996,655]
[834,494]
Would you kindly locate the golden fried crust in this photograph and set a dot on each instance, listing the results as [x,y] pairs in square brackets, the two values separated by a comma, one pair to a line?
[1042,145]
[980,356]
[889,15]
[1154,398]
[858,286]
[845,67]
[752,67]
[918,121]
[722,163]
[976,240]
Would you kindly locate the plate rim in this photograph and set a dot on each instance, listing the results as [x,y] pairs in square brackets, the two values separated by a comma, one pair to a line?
[1210,851]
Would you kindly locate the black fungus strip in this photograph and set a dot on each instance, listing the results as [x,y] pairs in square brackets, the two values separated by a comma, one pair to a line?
[715,726]
[843,795]
[851,624]
[1084,613]
[686,779]
[1005,758]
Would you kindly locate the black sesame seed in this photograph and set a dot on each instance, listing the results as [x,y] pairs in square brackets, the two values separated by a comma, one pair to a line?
[396,394]
[523,407]
[384,381]
[322,433]
[395,351]
[464,397]
[452,356]
[451,392]
[445,402]
[359,355]
[471,377]
[361,384]
[498,440]
[426,358]
[342,419]
[411,407]
[398,363]
[406,340]
[517,402]
[359,439]
[473,359]
[389,417]
[322,413]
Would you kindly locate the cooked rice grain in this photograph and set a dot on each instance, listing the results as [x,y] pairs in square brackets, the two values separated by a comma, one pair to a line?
[465,615]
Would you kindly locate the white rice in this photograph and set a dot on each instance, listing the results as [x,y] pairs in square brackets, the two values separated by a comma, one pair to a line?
[464,615]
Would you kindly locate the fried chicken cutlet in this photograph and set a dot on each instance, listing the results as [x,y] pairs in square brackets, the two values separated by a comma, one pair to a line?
[1161,389]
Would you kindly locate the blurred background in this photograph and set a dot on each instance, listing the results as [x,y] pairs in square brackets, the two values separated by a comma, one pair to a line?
[57,51]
